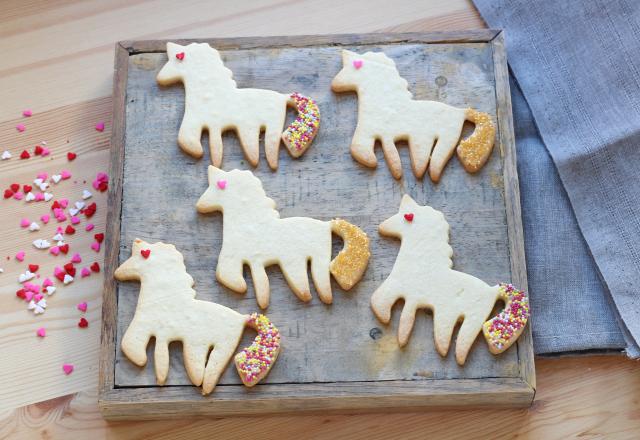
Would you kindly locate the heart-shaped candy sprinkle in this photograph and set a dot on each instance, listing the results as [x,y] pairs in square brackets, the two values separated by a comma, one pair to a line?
[222,184]
[145,253]
[82,307]
[357,64]
[408,217]
[180,56]
[67,368]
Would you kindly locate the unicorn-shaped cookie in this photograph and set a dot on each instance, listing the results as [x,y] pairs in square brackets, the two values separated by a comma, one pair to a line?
[388,113]
[213,102]
[424,278]
[255,235]
[167,310]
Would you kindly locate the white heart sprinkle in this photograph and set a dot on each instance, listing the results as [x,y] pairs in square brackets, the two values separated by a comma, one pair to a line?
[34,227]
[48,196]
[56,178]
[60,243]
[51,290]
[6,155]
[1,270]
[38,181]
[73,211]
[58,237]
[26,276]
[67,279]
[86,194]
[30,197]
[38,308]
[79,205]
[41,244]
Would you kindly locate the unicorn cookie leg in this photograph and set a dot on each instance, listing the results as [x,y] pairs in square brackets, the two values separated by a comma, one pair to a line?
[214,102]
[167,310]
[423,276]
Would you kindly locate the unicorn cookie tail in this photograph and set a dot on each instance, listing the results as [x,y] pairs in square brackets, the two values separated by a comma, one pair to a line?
[254,362]
[475,150]
[505,328]
[299,135]
[349,265]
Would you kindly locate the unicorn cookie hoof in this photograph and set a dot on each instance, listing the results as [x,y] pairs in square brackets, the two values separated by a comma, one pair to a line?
[255,235]
[423,276]
[167,310]
[431,128]
[215,103]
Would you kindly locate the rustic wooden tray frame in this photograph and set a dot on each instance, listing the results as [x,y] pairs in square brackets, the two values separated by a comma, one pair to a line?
[174,401]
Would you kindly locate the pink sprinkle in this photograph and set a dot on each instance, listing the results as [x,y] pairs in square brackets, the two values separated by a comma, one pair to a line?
[37,297]
[18,195]
[46,283]
[41,332]
[61,218]
[96,184]
[357,64]
[58,271]
[31,287]
[85,272]
[82,307]
[20,256]
[59,230]
[100,126]
[222,184]
[24,223]
[75,220]
[67,368]
[21,128]
[95,246]
[76,258]
[45,218]
[28,295]
[42,176]
[89,227]
[64,202]
[54,250]
[27,113]
[58,212]
[39,197]
[102,177]
[64,174]
[45,152]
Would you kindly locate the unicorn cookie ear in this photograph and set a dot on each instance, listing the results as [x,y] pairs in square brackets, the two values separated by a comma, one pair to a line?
[173,49]
[214,174]
[407,202]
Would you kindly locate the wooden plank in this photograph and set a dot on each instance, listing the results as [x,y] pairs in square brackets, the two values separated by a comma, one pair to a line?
[319,351]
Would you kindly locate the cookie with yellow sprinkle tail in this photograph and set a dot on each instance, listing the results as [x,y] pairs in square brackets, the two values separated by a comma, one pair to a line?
[423,276]
[388,113]
[213,102]
[168,311]
[255,235]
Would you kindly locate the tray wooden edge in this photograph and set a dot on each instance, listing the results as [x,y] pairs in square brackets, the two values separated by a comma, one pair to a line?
[353,397]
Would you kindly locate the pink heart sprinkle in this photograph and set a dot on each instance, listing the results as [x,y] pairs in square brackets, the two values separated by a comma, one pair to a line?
[89,227]
[75,220]
[57,211]
[59,230]
[47,283]
[76,258]
[222,184]
[39,197]
[42,176]
[61,218]
[100,126]
[24,223]
[64,202]
[95,184]
[357,64]
[41,332]
[95,246]
[58,271]
[37,297]
[27,113]
[55,250]
[45,218]
[20,256]
[21,128]
[64,174]
[102,177]
[45,152]
[28,295]
[67,368]
[18,196]
[82,307]
[85,272]
[31,287]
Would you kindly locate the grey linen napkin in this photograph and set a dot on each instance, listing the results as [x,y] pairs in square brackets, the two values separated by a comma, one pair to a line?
[577,64]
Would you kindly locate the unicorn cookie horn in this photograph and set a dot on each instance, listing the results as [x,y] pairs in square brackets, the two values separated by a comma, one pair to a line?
[214,102]
[167,310]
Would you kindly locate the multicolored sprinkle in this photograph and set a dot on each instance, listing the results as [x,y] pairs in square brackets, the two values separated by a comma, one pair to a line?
[254,362]
[299,135]
[505,328]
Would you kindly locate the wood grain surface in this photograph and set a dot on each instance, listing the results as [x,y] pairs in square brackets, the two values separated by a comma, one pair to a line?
[58,60]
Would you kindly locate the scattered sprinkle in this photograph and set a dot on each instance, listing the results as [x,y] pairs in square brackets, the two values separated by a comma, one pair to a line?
[82,307]
[21,128]
[27,113]
[41,332]
[67,368]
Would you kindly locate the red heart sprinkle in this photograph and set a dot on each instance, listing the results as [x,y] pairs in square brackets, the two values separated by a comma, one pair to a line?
[180,56]
[99,237]
[145,253]
[71,156]
[83,323]
[38,150]
[33,268]
[27,188]
[69,230]
[8,193]
[21,294]
[95,267]
[70,269]
[103,186]
[25,155]
[90,210]
[60,276]
[64,248]
[15,187]
[408,217]
[55,205]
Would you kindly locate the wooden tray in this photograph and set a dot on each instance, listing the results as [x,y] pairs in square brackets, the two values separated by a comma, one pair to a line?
[338,357]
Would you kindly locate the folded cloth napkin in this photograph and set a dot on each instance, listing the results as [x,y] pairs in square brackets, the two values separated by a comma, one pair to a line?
[577,65]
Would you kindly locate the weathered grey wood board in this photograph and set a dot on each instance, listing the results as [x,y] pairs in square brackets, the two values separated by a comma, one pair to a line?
[341,343]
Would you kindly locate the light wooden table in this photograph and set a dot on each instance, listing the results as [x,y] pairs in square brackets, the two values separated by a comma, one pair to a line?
[57,59]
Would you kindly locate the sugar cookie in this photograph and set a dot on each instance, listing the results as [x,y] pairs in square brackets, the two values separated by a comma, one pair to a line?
[213,102]
[254,234]
[423,276]
[167,310]
[387,112]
